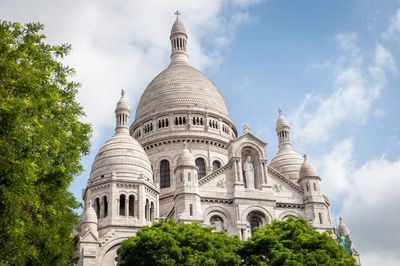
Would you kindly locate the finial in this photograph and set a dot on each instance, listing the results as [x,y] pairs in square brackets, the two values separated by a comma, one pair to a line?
[305,156]
[340,219]
[122,93]
[177,13]
[280,111]
[246,129]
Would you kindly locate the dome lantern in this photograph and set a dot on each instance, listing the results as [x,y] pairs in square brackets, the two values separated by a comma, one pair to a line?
[282,129]
[122,115]
[286,161]
[178,39]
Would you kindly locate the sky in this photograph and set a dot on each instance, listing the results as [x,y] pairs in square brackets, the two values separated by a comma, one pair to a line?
[332,66]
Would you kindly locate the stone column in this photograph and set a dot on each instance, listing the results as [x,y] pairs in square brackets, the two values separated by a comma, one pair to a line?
[235,170]
[240,171]
[141,203]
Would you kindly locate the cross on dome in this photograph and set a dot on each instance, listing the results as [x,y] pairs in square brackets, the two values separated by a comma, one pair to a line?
[177,13]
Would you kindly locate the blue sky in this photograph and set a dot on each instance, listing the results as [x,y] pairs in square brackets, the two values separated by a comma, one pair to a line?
[332,66]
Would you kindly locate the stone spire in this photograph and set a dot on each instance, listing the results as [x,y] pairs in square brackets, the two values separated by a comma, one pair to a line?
[122,115]
[283,130]
[178,39]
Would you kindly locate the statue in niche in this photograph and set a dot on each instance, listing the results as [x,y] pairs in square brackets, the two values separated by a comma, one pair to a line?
[248,169]
[218,224]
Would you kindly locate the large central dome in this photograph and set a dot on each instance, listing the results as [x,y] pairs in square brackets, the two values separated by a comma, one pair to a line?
[180,86]
[181,102]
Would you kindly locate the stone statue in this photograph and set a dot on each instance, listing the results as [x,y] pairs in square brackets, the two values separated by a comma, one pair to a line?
[217,223]
[248,169]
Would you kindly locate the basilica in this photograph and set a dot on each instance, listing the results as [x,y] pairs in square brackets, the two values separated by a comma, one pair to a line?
[183,157]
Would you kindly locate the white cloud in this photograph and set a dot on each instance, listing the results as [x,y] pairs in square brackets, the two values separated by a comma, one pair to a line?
[335,168]
[124,44]
[371,210]
[356,85]
[393,31]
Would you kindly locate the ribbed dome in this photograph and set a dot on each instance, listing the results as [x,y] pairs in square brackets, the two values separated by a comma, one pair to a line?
[178,27]
[121,155]
[343,228]
[180,86]
[281,123]
[89,215]
[307,169]
[287,162]
[185,158]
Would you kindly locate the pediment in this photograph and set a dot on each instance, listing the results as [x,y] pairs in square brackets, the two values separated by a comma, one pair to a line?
[280,182]
[89,237]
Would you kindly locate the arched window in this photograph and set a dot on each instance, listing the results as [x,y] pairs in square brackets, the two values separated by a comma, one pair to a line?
[131,205]
[190,209]
[146,210]
[202,167]
[97,207]
[216,165]
[122,200]
[253,224]
[105,206]
[165,180]
[152,211]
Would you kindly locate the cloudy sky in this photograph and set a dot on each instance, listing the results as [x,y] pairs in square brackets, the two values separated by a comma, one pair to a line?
[332,66]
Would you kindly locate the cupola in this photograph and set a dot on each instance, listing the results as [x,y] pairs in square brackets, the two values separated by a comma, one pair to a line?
[178,39]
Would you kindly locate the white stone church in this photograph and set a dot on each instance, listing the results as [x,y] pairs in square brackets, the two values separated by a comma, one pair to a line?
[183,157]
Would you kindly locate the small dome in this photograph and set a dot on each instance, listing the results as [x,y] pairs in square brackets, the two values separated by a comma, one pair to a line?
[281,123]
[89,215]
[121,156]
[178,27]
[307,169]
[287,162]
[185,158]
[343,228]
[122,104]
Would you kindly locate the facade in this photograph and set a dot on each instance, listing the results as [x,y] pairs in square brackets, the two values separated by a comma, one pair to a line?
[182,157]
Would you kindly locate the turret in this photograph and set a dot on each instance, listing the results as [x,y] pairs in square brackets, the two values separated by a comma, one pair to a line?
[187,198]
[316,205]
[89,220]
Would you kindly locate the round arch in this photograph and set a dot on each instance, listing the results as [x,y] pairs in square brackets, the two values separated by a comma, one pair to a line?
[250,209]
[285,214]
[217,210]
[110,249]
[260,152]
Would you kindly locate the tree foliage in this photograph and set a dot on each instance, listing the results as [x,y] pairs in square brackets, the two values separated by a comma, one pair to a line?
[293,242]
[168,243]
[41,143]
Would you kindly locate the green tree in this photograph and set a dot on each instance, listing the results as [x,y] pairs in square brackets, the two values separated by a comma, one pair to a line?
[41,143]
[168,243]
[293,242]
